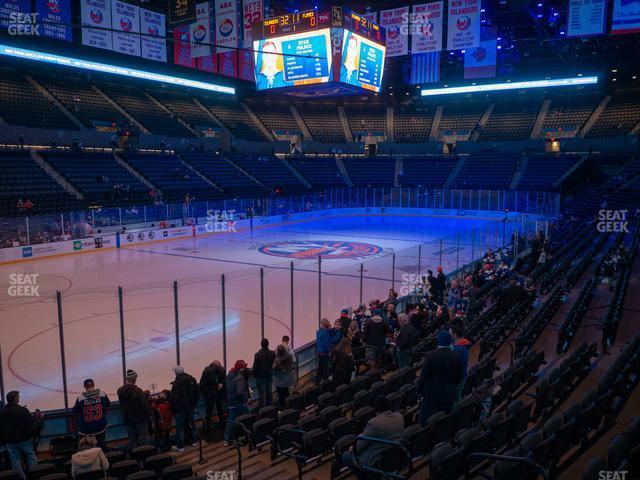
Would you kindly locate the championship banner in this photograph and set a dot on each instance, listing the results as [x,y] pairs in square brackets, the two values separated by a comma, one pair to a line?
[227,63]
[12,12]
[54,18]
[464,24]
[208,63]
[245,66]
[586,17]
[426,27]
[182,47]
[226,14]
[96,13]
[371,16]
[396,22]
[200,31]
[153,39]
[181,12]
[125,22]
[480,61]
[626,16]
[252,12]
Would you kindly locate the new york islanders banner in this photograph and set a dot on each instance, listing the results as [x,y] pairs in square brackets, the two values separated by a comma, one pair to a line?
[426,27]
[396,23]
[480,61]
[626,16]
[55,18]
[464,24]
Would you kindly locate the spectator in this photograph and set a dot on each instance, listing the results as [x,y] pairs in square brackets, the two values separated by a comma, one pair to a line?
[184,398]
[212,389]
[89,458]
[441,285]
[164,418]
[287,347]
[91,408]
[386,425]
[375,334]
[405,340]
[342,362]
[510,296]
[28,205]
[460,346]
[440,375]
[135,411]
[237,398]
[16,430]
[432,282]
[282,374]
[325,340]
[262,365]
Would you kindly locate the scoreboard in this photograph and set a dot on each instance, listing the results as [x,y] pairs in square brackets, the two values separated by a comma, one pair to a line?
[362,26]
[290,23]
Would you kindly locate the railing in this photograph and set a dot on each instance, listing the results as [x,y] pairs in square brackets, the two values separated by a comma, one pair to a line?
[37,229]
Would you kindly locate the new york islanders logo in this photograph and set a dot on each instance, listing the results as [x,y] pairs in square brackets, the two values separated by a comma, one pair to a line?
[463,23]
[426,29]
[393,31]
[153,31]
[96,16]
[53,6]
[327,249]
[126,24]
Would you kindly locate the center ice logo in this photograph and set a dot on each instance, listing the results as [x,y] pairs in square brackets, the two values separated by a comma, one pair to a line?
[327,249]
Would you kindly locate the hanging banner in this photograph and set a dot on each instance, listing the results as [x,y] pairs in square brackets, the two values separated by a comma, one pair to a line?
[480,61]
[396,23]
[227,63]
[181,12]
[464,24]
[226,14]
[245,66]
[626,16]
[426,27]
[586,17]
[182,47]
[125,22]
[54,18]
[208,63]
[153,31]
[252,12]
[200,31]
[14,15]
[96,13]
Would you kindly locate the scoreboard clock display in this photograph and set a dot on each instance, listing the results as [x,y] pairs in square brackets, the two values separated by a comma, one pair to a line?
[362,26]
[290,23]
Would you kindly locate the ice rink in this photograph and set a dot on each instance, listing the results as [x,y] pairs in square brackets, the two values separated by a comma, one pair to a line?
[29,333]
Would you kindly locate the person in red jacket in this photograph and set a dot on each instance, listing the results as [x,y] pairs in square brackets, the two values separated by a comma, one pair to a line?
[164,418]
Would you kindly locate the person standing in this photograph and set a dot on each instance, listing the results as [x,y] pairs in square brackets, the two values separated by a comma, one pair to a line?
[184,399]
[440,375]
[91,411]
[342,362]
[441,285]
[262,371]
[135,411]
[287,347]
[405,340]
[282,374]
[460,346]
[375,334]
[237,398]
[212,388]
[325,340]
[16,430]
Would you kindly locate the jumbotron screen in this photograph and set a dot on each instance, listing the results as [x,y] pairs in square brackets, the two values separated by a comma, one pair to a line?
[362,62]
[293,60]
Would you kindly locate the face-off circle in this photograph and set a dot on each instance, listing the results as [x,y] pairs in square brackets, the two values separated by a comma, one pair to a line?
[326,249]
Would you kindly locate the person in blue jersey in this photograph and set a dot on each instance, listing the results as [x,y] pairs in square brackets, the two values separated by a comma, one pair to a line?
[91,412]
[271,70]
[350,61]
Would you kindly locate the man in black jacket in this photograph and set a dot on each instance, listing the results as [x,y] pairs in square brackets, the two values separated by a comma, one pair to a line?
[262,370]
[184,398]
[212,383]
[441,373]
[135,411]
[16,430]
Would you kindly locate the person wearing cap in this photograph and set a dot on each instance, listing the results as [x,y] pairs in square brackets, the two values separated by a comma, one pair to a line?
[184,398]
[90,410]
[135,411]
[440,375]
[16,430]
[237,398]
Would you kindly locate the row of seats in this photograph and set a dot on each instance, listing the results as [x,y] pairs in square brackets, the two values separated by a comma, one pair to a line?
[542,171]
[487,171]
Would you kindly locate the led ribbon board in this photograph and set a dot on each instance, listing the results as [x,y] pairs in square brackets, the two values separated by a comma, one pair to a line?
[560,82]
[112,69]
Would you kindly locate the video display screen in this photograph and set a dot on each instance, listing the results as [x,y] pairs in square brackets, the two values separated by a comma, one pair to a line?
[362,62]
[292,60]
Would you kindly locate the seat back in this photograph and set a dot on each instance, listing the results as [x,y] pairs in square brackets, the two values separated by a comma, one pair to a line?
[38,471]
[158,462]
[123,468]
[177,472]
